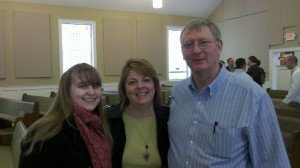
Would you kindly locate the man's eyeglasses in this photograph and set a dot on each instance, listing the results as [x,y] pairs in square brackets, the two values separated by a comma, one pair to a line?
[200,44]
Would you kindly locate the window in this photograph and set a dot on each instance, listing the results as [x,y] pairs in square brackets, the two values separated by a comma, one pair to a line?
[77,43]
[178,69]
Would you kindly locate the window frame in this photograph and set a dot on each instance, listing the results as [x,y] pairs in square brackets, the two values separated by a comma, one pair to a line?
[188,71]
[93,37]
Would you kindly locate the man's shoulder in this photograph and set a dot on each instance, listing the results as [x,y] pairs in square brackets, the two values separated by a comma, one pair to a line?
[297,70]
[243,81]
[183,82]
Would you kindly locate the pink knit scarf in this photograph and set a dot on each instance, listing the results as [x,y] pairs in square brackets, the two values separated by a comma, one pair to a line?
[89,126]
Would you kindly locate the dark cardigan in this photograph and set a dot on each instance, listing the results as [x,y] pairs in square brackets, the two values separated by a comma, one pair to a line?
[66,149]
[114,115]
[254,72]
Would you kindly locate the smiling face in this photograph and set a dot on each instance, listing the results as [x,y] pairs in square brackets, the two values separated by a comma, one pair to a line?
[201,60]
[86,95]
[139,88]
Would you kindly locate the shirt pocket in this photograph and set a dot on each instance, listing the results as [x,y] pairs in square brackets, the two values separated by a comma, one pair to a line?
[226,140]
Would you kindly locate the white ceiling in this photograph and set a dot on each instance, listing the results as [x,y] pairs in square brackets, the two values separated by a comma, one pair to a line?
[194,8]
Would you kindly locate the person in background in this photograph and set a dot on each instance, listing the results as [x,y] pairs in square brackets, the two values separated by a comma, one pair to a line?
[240,65]
[262,72]
[293,96]
[230,65]
[139,123]
[221,61]
[217,118]
[254,70]
[74,132]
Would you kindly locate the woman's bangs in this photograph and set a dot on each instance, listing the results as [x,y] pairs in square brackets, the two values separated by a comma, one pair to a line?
[89,76]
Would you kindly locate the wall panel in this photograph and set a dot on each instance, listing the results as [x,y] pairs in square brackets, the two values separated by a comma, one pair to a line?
[149,43]
[290,10]
[251,6]
[274,20]
[234,40]
[233,8]
[32,44]
[118,44]
[256,38]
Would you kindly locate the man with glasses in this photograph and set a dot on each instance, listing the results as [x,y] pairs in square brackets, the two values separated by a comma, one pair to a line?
[217,118]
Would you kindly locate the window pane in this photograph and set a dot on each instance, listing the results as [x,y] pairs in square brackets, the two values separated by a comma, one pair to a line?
[178,69]
[77,44]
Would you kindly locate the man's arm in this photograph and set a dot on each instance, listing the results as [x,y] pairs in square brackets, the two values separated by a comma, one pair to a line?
[295,87]
[266,146]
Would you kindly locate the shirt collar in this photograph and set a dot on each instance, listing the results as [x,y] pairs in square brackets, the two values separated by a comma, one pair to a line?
[215,84]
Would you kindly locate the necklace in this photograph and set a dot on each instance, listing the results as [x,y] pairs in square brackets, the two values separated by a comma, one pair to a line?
[143,132]
[146,141]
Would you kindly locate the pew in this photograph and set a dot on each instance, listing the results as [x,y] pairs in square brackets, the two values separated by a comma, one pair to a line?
[12,111]
[294,151]
[277,93]
[52,94]
[289,122]
[43,102]
[9,154]
[166,94]
[110,96]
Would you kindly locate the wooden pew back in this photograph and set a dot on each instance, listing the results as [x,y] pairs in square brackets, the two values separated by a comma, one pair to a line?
[289,122]
[277,93]
[13,110]
[44,102]
[52,94]
[15,147]
[166,94]
[9,154]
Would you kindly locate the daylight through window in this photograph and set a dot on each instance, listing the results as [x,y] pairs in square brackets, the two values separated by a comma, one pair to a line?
[77,43]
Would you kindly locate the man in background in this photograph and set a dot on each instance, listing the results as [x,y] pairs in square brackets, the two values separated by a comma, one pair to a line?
[240,65]
[230,65]
[293,97]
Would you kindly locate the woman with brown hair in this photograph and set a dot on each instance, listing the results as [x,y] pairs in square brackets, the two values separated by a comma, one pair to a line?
[139,123]
[74,132]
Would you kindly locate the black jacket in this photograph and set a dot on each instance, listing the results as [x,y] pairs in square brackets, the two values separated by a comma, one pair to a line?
[114,115]
[67,149]
[254,72]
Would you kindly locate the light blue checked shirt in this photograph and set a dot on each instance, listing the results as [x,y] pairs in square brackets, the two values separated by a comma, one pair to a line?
[231,123]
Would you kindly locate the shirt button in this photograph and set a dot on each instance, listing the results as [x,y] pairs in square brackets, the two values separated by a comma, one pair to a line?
[191,142]
[187,162]
[195,122]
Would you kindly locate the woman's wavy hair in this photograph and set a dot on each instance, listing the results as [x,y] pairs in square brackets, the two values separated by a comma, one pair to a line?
[141,66]
[50,124]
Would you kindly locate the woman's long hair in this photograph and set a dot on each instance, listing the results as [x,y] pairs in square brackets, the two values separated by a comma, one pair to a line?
[50,124]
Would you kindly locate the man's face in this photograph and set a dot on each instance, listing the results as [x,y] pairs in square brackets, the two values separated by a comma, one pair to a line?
[198,58]
[230,62]
[288,64]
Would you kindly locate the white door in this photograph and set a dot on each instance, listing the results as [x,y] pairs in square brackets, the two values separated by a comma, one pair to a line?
[283,78]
